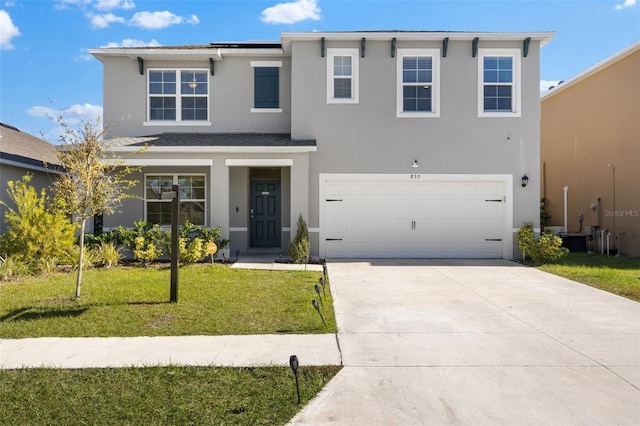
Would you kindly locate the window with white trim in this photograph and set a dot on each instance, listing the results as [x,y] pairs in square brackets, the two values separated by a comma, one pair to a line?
[499,83]
[192,198]
[418,83]
[178,95]
[342,76]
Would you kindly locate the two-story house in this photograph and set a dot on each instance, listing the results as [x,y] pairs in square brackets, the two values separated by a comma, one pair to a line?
[388,143]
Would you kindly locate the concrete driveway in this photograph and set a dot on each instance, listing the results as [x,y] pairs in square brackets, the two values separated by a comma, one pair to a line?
[477,342]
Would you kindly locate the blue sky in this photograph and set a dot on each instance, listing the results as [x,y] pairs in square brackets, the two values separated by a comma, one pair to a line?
[45,67]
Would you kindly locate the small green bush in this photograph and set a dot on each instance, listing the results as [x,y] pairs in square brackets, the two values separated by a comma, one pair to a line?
[13,266]
[89,258]
[109,254]
[36,228]
[146,251]
[299,247]
[547,249]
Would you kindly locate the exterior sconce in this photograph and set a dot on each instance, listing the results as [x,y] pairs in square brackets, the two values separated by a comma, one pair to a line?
[414,164]
[525,180]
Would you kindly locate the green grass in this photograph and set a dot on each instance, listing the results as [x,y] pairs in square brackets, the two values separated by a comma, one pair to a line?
[157,395]
[127,301]
[618,275]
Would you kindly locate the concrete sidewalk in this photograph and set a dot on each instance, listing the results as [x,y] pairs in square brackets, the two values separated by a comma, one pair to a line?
[231,351]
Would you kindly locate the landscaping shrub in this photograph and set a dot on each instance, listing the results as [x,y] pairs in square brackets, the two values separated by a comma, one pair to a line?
[108,254]
[36,228]
[299,247]
[547,249]
[145,241]
[13,266]
[89,257]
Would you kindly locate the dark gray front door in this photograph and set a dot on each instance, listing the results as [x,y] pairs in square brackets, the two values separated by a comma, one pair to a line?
[265,213]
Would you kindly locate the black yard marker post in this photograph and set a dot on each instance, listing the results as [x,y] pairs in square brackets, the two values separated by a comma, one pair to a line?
[317,287]
[174,195]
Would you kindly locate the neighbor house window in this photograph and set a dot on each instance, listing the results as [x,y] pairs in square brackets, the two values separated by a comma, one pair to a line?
[192,198]
[418,81]
[266,86]
[342,75]
[499,88]
[178,95]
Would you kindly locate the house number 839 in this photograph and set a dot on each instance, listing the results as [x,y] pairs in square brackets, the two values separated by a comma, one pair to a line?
[415,177]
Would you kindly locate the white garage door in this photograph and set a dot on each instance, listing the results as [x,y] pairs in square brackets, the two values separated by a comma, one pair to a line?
[413,216]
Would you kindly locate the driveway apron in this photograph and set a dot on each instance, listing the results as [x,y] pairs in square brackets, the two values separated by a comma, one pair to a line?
[477,342]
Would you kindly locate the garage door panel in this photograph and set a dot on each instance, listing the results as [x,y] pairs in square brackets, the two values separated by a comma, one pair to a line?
[391,218]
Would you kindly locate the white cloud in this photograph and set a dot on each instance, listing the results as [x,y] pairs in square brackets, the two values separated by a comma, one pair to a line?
[130,42]
[9,3]
[290,13]
[72,116]
[545,85]
[83,56]
[103,21]
[159,20]
[626,4]
[114,4]
[7,31]
[64,4]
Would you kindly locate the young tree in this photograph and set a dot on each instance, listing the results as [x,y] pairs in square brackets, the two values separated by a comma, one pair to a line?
[93,183]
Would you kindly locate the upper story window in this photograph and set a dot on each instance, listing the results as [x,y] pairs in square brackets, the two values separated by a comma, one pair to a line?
[178,95]
[192,198]
[266,86]
[499,83]
[342,76]
[418,81]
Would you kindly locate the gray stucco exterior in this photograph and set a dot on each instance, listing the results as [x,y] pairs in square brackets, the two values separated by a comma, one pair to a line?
[365,138]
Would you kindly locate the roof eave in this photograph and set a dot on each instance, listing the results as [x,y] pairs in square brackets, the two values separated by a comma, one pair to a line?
[216,149]
[616,57]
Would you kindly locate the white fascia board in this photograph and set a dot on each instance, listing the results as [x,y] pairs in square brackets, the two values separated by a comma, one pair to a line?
[178,54]
[543,36]
[28,166]
[258,162]
[165,162]
[220,149]
[593,70]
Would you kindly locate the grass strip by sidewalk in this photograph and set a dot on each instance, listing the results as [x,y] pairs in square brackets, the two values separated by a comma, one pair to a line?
[617,275]
[127,301]
[157,395]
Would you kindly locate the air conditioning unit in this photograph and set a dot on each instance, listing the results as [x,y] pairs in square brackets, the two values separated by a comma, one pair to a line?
[556,230]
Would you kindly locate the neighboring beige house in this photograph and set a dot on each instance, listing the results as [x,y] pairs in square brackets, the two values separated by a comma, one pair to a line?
[590,144]
[22,153]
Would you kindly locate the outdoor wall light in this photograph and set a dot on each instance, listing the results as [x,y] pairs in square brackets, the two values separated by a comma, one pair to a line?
[525,180]
[415,164]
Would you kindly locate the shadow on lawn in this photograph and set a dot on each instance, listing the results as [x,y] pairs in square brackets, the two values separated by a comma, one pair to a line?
[32,314]
[41,313]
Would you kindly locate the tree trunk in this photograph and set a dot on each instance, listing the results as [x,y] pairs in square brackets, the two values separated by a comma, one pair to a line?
[80,258]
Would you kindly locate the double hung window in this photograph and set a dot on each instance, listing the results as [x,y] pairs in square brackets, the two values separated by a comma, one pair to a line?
[192,198]
[499,88]
[178,95]
[418,83]
[342,76]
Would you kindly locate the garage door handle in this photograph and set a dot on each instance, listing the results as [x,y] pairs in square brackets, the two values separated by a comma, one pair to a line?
[334,239]
[493,239]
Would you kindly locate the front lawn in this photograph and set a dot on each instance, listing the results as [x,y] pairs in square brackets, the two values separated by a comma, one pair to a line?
[128,301]
[157,395]
[618,275]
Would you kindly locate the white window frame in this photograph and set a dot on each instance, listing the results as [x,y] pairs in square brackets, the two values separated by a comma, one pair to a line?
[516,84]
[266,64]
[435,83]
[175,181]
[178,95]
[355,54]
